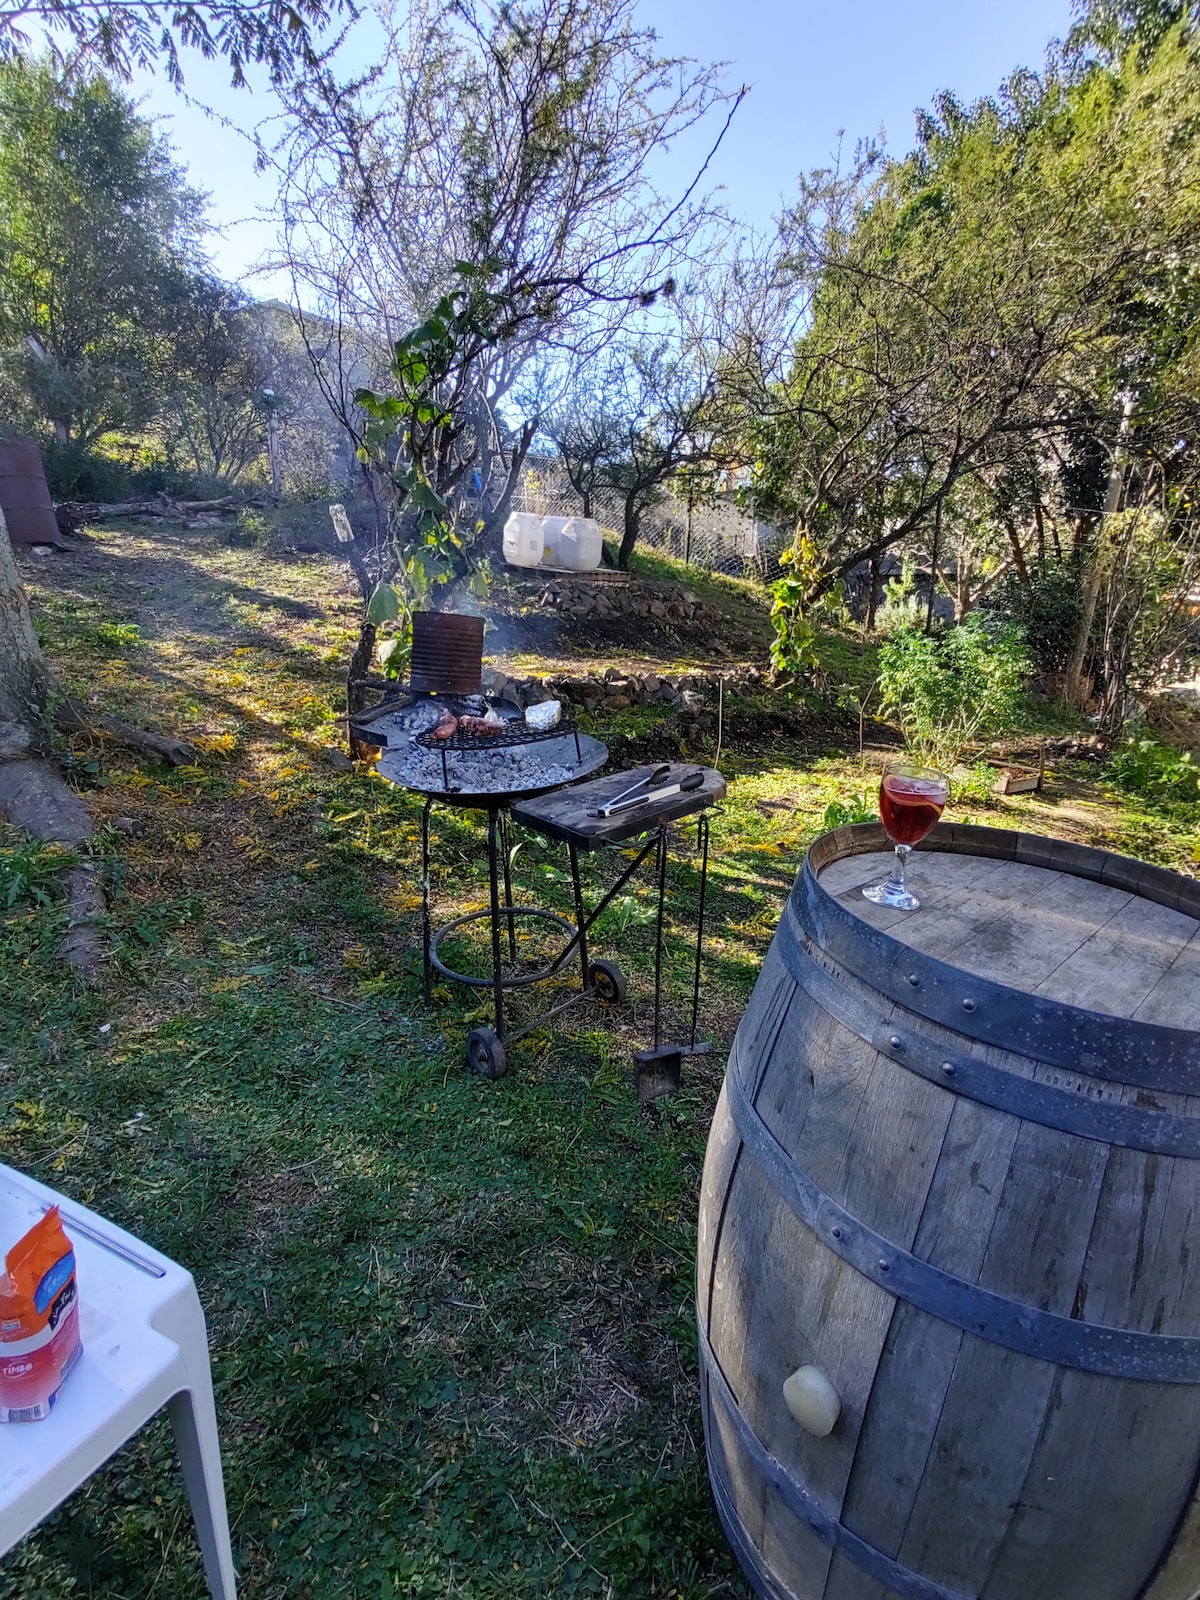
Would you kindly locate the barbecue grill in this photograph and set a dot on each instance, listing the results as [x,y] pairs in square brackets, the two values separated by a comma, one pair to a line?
[488,773]
[491,772]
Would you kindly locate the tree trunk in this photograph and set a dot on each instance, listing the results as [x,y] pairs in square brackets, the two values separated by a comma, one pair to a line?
[633,526]
[516,463]
[356,686]
[934,556]
[1074,683]
[24,676]
[32,794]
[1018,555]
[962,587]
[873,567]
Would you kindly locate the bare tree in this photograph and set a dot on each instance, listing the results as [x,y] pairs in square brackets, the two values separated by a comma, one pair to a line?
[521,135]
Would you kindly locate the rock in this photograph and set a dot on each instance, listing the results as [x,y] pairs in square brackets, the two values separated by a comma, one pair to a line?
[14,741]
[651,683]
[129,826]
[617,702]
[338,761]
[41,550]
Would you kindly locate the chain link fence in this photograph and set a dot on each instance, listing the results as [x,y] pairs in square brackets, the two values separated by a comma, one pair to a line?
[715,536]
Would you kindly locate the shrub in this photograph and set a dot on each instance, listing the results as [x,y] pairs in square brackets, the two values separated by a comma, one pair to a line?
[845,813]
[76,473]
[1049,609]
[1155,771]
[901,606]
[949,690]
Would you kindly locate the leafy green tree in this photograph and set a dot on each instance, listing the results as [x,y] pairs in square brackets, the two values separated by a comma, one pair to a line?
[97,235]
[213,381]
[278,35]
[970,311]
[634,418]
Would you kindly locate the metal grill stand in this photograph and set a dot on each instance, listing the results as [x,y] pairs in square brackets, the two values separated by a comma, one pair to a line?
[564,815]
[571,815]
[599,978]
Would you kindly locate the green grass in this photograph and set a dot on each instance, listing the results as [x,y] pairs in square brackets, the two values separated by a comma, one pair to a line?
[450,1321]
[740,596]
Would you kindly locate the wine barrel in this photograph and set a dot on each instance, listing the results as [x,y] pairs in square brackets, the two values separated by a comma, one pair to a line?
[955,1169]
[24,497]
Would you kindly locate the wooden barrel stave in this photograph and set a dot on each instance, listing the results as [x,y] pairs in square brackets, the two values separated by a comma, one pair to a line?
[1031,1213]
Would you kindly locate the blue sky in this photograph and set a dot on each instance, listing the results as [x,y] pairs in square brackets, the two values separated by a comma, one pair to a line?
[817,71]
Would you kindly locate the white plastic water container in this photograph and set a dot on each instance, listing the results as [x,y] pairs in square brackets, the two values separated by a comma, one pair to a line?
[580,545]
[523,539]
[552,528]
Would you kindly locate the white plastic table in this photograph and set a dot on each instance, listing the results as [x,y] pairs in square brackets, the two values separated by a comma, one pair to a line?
[144,1347]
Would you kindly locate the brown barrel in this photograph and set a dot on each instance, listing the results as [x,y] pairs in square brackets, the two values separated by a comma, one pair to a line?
[24,497]
[955,1167]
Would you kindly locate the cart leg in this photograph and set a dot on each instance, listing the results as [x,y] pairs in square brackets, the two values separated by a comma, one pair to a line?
[661,864]
[580,920]
[702,841]
[426,933]
[508,894]
[494,877]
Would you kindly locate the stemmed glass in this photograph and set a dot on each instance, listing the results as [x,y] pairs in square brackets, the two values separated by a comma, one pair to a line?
[911,799]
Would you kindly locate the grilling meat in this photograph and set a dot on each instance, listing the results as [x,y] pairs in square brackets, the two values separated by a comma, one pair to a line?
[480,727]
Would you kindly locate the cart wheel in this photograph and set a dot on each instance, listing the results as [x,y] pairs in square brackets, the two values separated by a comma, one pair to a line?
[485,1054]
[608,981]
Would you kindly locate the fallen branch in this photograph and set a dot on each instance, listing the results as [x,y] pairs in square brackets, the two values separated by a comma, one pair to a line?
[72,718]
[160,506]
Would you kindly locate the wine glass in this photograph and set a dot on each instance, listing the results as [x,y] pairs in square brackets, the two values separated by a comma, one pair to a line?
[911,798]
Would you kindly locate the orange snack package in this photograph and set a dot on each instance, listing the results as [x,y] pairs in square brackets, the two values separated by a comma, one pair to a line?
[39,1321]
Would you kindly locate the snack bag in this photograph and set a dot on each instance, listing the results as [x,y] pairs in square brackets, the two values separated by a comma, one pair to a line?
[39,1321]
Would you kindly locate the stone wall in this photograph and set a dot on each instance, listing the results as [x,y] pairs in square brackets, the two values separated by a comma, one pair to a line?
[616,691]
[576,597]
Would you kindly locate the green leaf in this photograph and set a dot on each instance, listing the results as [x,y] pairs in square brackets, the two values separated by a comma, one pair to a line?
[385,604]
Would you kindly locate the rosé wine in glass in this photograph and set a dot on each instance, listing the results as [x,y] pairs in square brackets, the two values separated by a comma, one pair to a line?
[911,799]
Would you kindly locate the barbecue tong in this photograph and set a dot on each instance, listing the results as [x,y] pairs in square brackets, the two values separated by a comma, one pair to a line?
[628,798]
